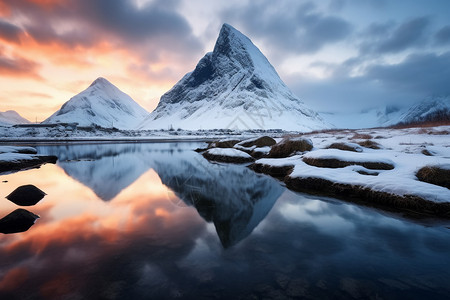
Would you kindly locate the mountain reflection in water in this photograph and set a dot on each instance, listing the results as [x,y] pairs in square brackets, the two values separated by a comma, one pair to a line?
[150,239]
[234,198]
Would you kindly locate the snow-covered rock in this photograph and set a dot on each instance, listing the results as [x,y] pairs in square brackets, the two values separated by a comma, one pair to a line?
[100,104]
[232,87]
[11,117]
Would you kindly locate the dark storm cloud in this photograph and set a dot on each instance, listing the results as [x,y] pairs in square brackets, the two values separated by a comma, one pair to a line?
[442,37]
[415,78]
[382,39]
[298,29]
[9,32]
[418,72]
[87,22]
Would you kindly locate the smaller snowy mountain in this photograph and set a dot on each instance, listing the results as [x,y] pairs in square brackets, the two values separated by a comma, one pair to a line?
[233,87]
[11,117]
[435,109]
[100,104]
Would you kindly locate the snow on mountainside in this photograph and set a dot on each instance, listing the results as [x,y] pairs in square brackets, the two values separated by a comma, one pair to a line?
[232,87]
[11,117]
[429,110]
[100,104]
[435,109]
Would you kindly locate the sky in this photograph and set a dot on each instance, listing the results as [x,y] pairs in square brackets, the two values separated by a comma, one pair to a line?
[336,55]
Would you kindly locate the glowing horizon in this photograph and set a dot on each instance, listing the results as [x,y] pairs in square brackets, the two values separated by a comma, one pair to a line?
[335,55]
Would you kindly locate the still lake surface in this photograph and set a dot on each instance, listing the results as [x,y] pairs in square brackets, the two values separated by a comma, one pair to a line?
[156,220]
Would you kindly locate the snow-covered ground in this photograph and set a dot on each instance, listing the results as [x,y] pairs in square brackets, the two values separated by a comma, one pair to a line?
[405,149]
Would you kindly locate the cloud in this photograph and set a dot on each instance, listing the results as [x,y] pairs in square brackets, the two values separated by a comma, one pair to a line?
[296,28]
[153,31]
[416,77]
[18,67]
[9,32]
[387,38]
[422,73]
[442,37]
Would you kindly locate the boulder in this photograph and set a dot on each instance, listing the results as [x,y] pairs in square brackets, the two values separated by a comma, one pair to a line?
[19,220]
[26,195]
[258,142]
[435,175]
[289,146]
[228,155]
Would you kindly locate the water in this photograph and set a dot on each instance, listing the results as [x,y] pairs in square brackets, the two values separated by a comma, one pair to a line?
[150,221]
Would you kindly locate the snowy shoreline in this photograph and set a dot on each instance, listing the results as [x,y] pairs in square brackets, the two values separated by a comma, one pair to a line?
[374,167]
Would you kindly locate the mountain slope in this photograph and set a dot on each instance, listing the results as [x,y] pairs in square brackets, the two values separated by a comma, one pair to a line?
[11,117]
[430,110]
[233,87]
[100,104]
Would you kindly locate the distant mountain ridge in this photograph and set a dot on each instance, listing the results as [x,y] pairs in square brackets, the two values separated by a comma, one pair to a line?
[101,104]
[233,87]
[11,117]
[431,110]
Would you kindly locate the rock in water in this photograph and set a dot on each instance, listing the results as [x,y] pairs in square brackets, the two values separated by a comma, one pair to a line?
[19,220]
[26,195]
[233,87]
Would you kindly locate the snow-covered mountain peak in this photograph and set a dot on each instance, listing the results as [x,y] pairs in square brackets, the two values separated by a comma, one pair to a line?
[101,104]
[232,44]
[11,117]
[232,87]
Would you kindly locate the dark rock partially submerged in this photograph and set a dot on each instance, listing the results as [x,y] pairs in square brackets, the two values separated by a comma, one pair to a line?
[359,194]
[19,220]
[20,164]
[275,171]
[26,195]
[228,158]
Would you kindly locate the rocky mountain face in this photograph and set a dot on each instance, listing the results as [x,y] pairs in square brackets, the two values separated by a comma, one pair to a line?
[101,104]
[233,87]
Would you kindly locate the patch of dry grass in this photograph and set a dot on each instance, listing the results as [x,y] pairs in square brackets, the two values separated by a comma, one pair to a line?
[434,175]
[369,144]
[288,147]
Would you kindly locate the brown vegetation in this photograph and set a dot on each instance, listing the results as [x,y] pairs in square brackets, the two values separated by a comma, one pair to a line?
[369,144]
[290,146]
[434,175]
[225,144]
[361,136]
[336,163]
[345,147]
[259,142]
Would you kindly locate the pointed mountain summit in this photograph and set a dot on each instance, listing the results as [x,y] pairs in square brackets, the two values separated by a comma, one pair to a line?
[233,87]
[100,104]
